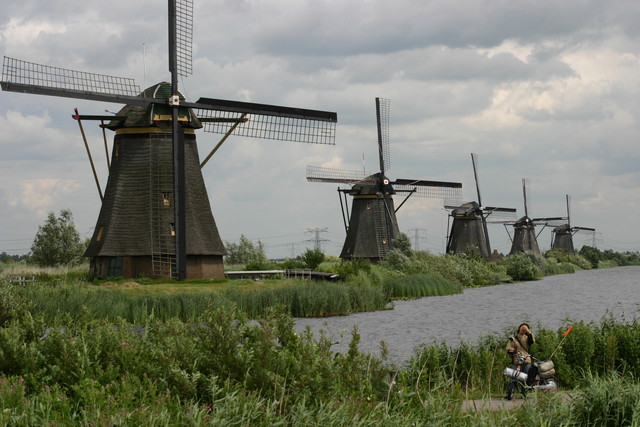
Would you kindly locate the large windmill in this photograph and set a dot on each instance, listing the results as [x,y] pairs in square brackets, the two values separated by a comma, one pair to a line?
[562,234]
[468,231]
[372,222]
[155,217]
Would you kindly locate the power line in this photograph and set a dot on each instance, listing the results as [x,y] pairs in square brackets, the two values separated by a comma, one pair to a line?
[317,241]
[417,237]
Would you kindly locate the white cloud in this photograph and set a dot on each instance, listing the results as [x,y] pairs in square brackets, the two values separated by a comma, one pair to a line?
[38,195]
[22,32]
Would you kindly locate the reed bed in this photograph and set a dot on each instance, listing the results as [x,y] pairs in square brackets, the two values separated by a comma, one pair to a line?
[420,285]
[299,299]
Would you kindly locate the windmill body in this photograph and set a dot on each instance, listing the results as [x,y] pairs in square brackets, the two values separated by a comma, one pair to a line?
[563,238]
[372,224]
[524,237]
[468,231]
[135,231]
[524,229]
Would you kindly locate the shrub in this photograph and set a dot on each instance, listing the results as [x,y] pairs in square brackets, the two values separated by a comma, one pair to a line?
[520,266]
[609,263]
[313,258]
[396,259]
[293,264]
[562,255]
[591,254]
[348,268]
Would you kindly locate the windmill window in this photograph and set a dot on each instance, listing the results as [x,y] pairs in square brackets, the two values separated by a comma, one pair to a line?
[172,229]
[166,199]
[117,150]
[100,231]
[368,206]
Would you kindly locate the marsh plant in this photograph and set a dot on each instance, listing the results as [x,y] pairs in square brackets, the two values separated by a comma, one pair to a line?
[223,369]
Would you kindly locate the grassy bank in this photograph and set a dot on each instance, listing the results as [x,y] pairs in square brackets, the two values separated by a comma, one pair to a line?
[362,286]
[222,369]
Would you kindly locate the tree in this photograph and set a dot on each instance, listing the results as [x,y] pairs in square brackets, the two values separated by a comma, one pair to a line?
[403,244]
[593,255]
[313,258]
[245,252]
[57,242]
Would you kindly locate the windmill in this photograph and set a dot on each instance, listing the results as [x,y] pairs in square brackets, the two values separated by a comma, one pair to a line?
[562,235]
[525,238]
[372,222]
[524,229]
[155,217]
[469,222]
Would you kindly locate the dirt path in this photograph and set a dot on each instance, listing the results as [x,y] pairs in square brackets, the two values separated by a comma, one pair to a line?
[498,404]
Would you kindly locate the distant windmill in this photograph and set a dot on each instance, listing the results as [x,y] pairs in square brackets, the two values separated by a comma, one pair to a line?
[155,217]
[372,223]
[525,238]
[563,233]
[468,230]
[524,229]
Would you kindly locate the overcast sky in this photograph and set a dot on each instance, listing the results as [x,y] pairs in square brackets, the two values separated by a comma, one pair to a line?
[544,90]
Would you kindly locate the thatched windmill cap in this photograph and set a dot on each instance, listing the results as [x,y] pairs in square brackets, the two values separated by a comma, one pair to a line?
[466,209]
[154,115]
[562,229]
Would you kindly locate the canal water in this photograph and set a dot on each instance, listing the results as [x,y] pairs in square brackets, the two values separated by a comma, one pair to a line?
[550,303]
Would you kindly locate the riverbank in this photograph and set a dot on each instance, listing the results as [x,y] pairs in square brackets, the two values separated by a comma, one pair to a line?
[587,295]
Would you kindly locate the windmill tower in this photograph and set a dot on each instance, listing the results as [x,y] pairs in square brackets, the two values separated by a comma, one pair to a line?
[155,217]
[563,234]
[469,222]
[524,229]
[372,222]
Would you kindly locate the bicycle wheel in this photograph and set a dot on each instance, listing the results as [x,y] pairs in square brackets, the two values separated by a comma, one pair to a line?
[511,388]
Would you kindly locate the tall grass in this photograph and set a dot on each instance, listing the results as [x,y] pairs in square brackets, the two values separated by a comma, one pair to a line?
[222,369]
[78,274]
[310,299]
[420,285]
[300,299]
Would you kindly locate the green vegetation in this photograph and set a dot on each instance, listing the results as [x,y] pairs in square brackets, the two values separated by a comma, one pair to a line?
[363,286]
[522,266]
[57,242]
[312,258]
[222,369]
[246,252]
[420,285]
